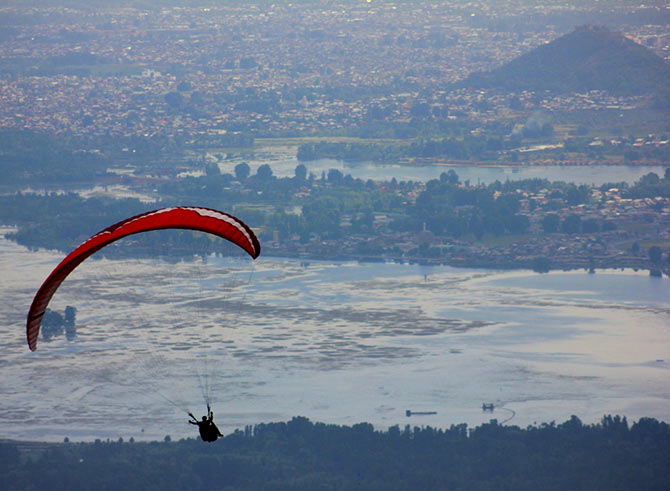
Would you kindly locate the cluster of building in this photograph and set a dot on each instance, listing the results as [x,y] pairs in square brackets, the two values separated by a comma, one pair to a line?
[622,223]
[287,68]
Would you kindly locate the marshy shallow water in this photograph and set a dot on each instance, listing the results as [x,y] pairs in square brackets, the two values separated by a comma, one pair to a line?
[338,342]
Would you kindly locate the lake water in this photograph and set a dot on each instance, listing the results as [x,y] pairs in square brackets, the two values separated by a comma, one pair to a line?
[283,161]
[340,343]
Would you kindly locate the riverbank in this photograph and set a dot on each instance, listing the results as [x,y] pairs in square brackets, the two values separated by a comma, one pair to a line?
[540,264]
[541,253]
[466,256]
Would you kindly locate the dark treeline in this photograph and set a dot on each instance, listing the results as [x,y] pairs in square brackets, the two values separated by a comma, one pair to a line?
[349,152]
[63,221]
[445,207]
[36,158]
[648,186]
[449,209]
[300,454]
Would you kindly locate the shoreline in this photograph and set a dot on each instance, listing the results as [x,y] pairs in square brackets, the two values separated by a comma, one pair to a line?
[32,446]
[590,264]
[520,265]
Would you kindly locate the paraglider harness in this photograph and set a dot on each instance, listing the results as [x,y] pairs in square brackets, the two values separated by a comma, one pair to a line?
[208,430]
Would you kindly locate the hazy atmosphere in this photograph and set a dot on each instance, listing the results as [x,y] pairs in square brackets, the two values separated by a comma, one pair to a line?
[377,244]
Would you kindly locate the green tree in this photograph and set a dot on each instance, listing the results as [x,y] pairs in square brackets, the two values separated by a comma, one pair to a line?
[609,225]
[572,224]
[632,155]
[335,176]
[550,223]
[242,171]
[541,264]
[590,226]
[322,217]
[450,177]
[264,172]
[517,224]
[655,254]
[212,170]
[300,172]
[650,179]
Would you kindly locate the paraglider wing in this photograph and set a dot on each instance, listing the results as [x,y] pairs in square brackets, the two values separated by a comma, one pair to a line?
[192,218]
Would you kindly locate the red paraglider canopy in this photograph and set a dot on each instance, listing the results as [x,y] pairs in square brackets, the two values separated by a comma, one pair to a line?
[192,218]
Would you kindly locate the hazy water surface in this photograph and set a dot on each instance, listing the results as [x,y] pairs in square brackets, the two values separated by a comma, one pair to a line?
[283,161]
[336,342]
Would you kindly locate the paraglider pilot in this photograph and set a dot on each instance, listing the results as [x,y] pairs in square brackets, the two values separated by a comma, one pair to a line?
[208,430]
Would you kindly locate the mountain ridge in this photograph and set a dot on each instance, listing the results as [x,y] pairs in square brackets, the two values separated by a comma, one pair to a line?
[589,58]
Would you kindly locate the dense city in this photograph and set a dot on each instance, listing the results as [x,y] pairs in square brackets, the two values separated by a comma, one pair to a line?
[175,98]
[285,69]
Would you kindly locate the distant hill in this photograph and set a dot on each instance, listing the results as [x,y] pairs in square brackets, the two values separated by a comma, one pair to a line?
[589,58]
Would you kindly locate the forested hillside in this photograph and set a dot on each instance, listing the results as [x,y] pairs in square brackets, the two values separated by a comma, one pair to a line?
[304,455]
